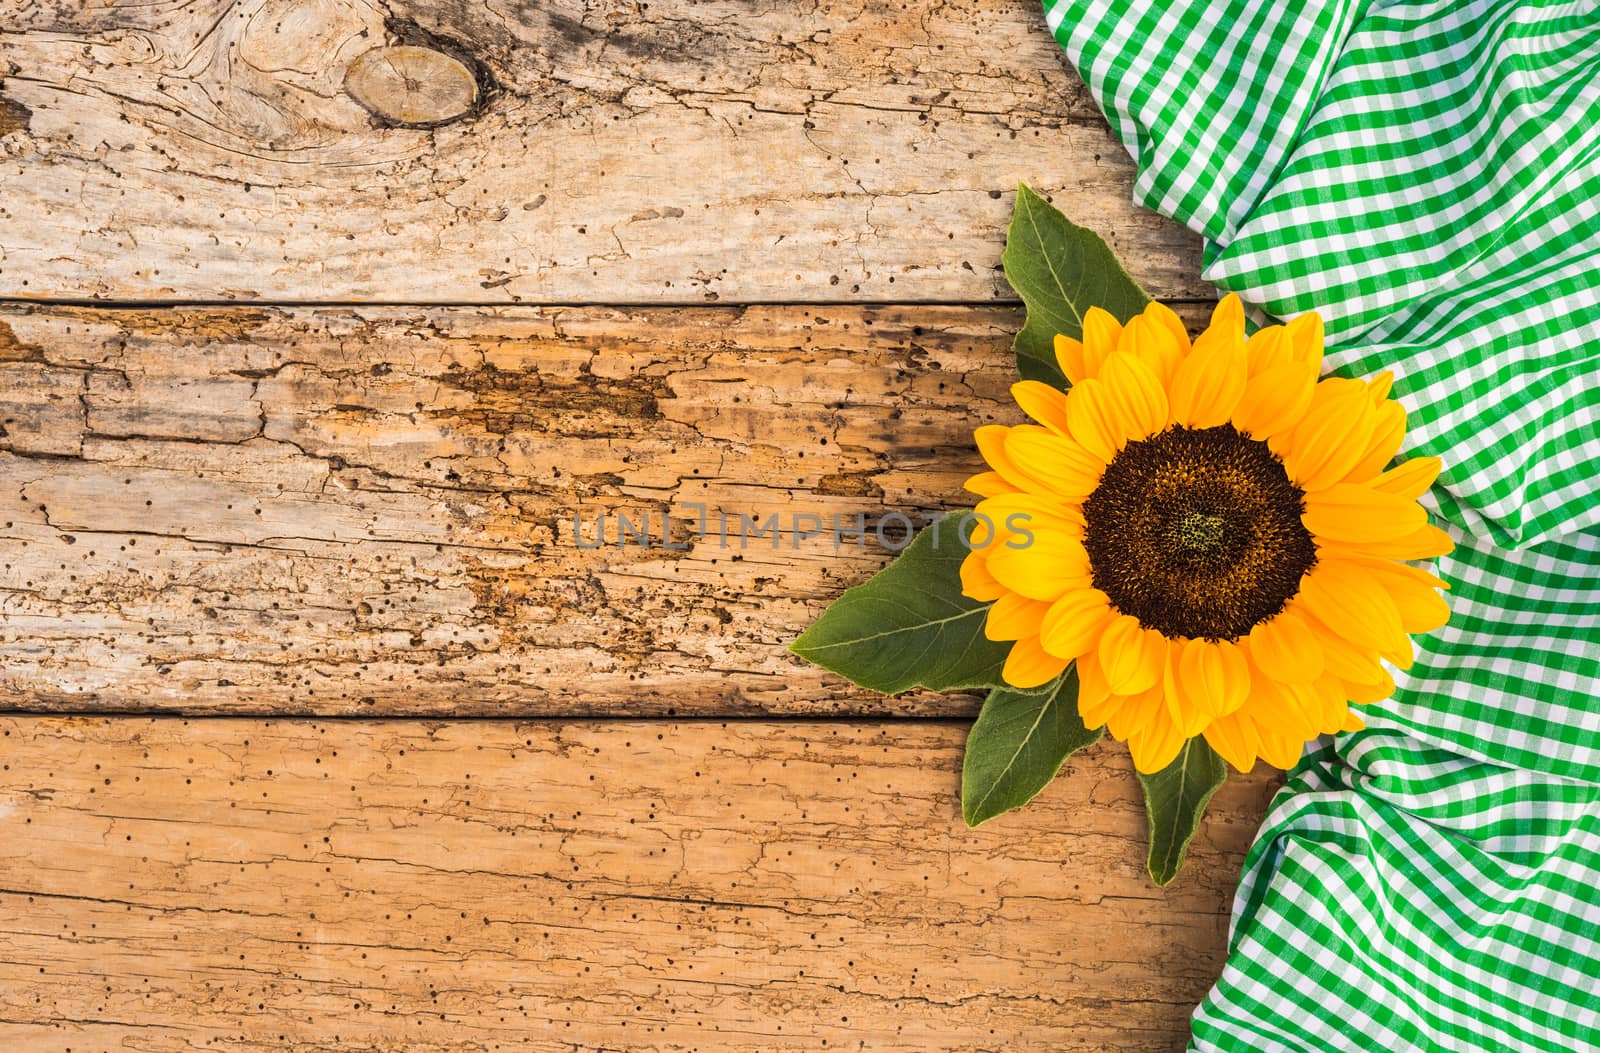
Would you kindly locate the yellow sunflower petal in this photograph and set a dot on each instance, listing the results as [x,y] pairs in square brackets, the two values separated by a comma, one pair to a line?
[1335,705]
[1380,385]
[1354,512]
[1410,479]
[1388,431]
[987,533]
[1073,624]
[1214,680]
[1236,676]
[1097,714]
[1156,745]
[994,442]
[1365,694]
[1330,438]
[1133,713]
[1012,616]
[1348,661]
[1150,341]
[1283,720]
[991,439]
[1168,319]
[1043,403]
[1286,648]
[990,484]
[1305,333]
[1234,737]
[1066,468]
[1279,709]
[1101,331]
[1415,593]
[1018,515]
[1227,318]
[1279,750]
[1093,420]
[1270,708]
[1322,700]
[1029,665]
[1422,577]
[1200,681]
[1424,543]
[1135,392]
[1209,383]
[1275,400]
[1268,348]
[1284,361]
[976,581]
[1132,656]
[1052,565]
[1095,700]
[1069,356]
[1172,691]
[1353,605]
[1402,654]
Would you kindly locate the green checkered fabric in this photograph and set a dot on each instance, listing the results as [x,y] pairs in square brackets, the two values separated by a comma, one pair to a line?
[1427,177]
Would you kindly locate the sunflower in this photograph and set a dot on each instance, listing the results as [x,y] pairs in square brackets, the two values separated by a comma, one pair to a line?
[1210,531]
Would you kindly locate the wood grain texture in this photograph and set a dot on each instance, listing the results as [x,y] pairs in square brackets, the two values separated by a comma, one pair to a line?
[248,512]
[358,885]
[371,509]
[615,152]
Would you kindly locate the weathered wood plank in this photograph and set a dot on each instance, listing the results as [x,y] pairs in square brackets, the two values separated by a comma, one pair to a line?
[371,510]
[613,152]
[176,885]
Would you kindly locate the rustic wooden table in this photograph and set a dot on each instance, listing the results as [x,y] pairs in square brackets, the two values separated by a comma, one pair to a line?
[321,321]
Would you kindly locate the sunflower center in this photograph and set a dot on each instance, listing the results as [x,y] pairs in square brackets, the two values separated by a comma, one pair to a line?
[1196,532]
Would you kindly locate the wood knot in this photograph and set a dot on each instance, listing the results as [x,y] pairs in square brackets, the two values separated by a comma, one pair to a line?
[415,87]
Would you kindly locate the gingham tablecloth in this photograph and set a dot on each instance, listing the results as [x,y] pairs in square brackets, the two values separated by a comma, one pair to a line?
[1427,177]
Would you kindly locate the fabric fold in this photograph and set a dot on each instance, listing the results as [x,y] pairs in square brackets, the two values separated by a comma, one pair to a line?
[1426,176]
[1403,898]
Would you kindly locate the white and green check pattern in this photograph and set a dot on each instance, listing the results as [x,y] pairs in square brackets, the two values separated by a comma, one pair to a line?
[1427,177]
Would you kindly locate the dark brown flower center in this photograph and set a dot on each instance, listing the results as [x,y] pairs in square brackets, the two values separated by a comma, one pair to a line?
[1196,532]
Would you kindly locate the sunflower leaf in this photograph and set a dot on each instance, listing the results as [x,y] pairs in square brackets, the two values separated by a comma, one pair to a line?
[909,625]
[1060,270]
[1018,744]
[1174,800]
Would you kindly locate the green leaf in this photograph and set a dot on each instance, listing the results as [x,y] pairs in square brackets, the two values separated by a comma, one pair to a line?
[909,625]
[1018,744]
[1060,270]
[1174,800]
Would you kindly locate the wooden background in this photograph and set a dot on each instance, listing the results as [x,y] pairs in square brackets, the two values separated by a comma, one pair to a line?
[321,731]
